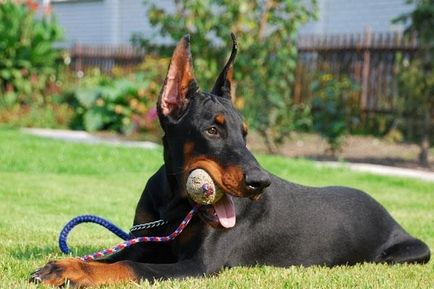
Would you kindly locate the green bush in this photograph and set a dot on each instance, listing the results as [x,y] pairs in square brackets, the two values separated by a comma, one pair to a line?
[334,108]
[27,56]
[416,77]
[416,102]
[52,115]
[265,66]
[123,104]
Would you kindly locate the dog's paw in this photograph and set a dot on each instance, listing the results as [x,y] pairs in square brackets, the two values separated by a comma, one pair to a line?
[70,272]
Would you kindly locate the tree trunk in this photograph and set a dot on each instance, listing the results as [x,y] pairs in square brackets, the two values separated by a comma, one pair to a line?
[425,140]
[268,141]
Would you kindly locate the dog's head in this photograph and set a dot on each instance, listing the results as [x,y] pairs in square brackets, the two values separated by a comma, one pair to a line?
[204,130]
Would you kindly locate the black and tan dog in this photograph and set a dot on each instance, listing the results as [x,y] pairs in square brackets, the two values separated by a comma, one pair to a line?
[262,219]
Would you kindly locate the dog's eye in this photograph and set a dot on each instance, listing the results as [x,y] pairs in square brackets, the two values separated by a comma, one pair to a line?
[212,130]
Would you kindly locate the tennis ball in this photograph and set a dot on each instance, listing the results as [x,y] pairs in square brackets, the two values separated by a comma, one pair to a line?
[201,188]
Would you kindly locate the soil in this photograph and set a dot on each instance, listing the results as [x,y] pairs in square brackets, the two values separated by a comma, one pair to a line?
[356,149]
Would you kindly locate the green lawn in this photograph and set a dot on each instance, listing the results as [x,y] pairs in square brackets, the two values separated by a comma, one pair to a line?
[44,183]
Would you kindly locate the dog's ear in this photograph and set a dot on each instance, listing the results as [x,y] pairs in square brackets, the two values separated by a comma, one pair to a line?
[222,87]
[179,84]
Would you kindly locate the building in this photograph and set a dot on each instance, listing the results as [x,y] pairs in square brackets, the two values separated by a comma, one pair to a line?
[113,22]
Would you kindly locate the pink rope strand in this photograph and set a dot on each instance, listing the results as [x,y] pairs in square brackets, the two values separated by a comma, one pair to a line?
[125,244]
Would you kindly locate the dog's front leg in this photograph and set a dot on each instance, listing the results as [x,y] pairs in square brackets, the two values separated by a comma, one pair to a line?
[181,269]
[77,273]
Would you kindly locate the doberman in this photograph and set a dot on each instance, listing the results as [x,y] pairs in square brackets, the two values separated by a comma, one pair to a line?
[262,219]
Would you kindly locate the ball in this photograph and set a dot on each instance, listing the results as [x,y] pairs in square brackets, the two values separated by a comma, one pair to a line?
[201,188]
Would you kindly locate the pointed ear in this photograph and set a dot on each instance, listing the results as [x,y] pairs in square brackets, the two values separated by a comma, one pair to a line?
[222,87]
[179,84]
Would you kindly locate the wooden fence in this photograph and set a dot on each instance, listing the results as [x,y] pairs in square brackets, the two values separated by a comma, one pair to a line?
[105,57]
[369,58]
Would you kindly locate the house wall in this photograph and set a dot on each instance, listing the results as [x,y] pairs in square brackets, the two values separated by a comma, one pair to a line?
[114,21]
[84,21]
[95,22]
[134,19]
[349,16]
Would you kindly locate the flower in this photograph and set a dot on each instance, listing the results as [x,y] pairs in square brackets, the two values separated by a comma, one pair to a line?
[152,115]
[32,5]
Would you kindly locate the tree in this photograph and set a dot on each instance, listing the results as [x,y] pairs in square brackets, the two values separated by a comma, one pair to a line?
[416,78]
[333,109]
[264,70]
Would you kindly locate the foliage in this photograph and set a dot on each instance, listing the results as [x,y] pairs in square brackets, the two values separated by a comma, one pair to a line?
[413,87]
[50,115]
[421,21]
[416,99]
[123,104]
[334,108]
[416,76]
[27,55]
[264,70]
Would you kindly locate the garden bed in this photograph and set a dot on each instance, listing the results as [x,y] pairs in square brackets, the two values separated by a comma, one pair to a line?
[356,149]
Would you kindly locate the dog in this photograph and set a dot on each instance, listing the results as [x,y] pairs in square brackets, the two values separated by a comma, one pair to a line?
[261,219]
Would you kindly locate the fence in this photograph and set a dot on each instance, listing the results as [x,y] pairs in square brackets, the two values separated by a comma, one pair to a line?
[105,57]
[369,58]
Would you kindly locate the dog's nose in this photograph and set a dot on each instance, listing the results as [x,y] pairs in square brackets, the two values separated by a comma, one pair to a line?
[257,181]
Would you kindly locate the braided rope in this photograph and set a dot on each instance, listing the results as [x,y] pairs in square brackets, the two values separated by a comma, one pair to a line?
[128,243]
[88,219]
[116,230]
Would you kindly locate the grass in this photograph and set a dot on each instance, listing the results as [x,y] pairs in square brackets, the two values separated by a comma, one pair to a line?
[44,183]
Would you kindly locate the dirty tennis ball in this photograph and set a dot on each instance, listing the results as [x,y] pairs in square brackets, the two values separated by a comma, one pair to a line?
[201,188]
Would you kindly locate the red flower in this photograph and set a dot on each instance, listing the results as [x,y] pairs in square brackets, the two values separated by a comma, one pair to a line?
[32,5]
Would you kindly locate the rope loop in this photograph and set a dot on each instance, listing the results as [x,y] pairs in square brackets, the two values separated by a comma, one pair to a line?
[118,232]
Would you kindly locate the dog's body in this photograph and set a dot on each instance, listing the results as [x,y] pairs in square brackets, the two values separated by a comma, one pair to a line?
[276,222]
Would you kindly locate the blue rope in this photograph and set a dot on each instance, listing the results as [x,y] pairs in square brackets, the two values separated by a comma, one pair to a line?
[88,219]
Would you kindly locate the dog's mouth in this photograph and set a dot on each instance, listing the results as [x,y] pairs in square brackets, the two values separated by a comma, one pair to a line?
[221,214]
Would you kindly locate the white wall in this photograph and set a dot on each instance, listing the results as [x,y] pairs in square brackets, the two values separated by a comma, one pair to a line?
[134,19]
[84,21]
[344,16]
[114,21]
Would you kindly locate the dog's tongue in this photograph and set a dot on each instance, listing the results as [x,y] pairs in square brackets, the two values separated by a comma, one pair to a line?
[225,211]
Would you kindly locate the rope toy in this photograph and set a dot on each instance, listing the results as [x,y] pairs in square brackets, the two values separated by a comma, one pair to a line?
[125,244]
[200,187]
[88,219]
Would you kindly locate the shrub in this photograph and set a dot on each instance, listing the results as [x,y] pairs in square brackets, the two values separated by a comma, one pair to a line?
[27,56]
[265,66]
[416,101]
[125,104]
[416,78]
[334,108]
[51,115]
